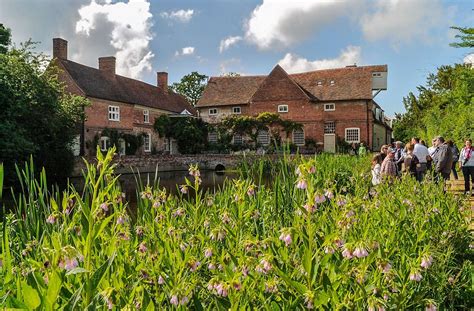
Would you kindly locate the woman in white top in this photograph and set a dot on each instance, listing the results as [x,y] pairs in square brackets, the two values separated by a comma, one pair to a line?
[376,167]
[466,162]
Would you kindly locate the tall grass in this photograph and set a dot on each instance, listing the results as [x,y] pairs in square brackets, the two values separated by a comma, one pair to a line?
[317,236]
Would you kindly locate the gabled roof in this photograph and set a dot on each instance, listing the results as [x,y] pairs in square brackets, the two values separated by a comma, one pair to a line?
[97,84]
[350,83]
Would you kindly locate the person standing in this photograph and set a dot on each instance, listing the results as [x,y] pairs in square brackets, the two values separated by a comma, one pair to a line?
[431,151]
[455,151]
[466,162]
[376,167]
[410,161]
[422,154]
[362,150]
[384,151]
[388,168]
[398,155]
[442,159]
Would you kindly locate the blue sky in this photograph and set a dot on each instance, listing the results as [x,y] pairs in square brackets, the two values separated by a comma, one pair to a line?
[411,36]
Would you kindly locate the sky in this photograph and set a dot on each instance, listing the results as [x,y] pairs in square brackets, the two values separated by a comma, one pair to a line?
[250,37]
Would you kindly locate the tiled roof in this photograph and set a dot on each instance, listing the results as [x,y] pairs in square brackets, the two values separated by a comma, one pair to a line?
[349,83]
[97,84]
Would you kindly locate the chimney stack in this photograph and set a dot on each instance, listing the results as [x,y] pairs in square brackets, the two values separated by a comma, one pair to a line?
[107,65]
[59,48]
[162,80]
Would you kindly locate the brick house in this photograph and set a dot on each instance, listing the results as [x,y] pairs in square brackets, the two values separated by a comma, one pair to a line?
[118,103]
[333,103]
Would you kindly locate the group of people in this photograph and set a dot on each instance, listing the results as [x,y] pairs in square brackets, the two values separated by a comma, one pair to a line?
[416,159]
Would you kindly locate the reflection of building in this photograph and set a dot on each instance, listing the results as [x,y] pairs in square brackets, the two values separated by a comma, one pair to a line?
[329,103]
[119,104]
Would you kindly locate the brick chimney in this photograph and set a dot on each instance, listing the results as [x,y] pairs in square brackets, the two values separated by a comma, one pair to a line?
[107,65]
[162,80]
[59,48]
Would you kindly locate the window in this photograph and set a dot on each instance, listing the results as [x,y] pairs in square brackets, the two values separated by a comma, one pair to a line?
[376,74]
[146,116]
[282,108]
[147,142]
[104,143]
[212,111]
[236,110]
[320,83]
[329,107]
[263,138]
[332,83]
[353,135]
[237,139]
[122,146]
[298,137]
[212,137]
[330,127]
[114,113]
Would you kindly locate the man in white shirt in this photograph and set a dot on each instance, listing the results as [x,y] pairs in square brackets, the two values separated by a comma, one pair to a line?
[422,154]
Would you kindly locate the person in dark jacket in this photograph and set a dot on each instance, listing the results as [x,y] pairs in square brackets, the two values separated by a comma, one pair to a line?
[442,159]
[455,151]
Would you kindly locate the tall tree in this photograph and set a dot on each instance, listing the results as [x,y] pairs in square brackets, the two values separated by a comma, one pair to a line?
[466,36]
[191,86]
[5,39]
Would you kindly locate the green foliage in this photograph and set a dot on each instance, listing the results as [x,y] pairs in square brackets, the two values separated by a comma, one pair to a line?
[442,107]
[5,38]
[132,141]
[189,133]
[466,36]
[191,86]
[315,236]
[36,117]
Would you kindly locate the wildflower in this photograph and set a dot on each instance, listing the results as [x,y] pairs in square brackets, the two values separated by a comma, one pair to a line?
[329,250]
[184,300]
[339,243]
[386,267]
[328,194]
[110,305]
[225,218]
[271,287]
[250,191]
[142,247]
[360,252]
[350,213]
[286,237]
[431,307]
[161,280]
[318,199]
[302,184]
[120,220]
[211,266]
[297,171]
[264,267]
[346,253]
[210,201]
[194,171]
[70,263]
[193,265]
[426,261]
[208,252]
[183,189]
[221,289]
[341,202]
[183,246]
[312,170]
[179,212]
[309,208]
[46,279]
[139,231]
[51,219]
[245,271]
[415,276]
[156,203]
[174,300]
[236,198]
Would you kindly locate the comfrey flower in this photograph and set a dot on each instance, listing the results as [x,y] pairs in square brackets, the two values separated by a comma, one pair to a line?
[346,253]
[105,207]
[431,307]
[312,170]
[386,267]
[329,194]
[161,280]
[174,300]
[427,261]
[120,220]
[221,289]
[183,189]
[329,250]
[193,265]
[415,276]
[309,208]
[251,191]
[51,219]
[142,247]
[208,252]
[360,252]
[271,287]
[286,237]
[302,184]
[318,199]
[184,301]
[341,202]
[211,266]
[264,267]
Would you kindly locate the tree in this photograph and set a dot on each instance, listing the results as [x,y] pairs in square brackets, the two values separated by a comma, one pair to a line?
[230,74]
[191,86]
[466,37]
[5,39]
[36,117]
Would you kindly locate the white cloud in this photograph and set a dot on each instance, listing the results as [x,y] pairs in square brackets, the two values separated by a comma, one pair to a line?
[128,27]
[183,16]
[189,50]
[402,21]
[281,23]
[293,63]
[469,59]
[228,42]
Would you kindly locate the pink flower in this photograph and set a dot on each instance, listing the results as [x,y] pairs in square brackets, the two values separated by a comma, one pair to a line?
[302,184]
[221,289]
[174,300]
[208,252]
[286,237]
[194,265]
[341,202]
[184,301]
[183,189]
[386,267]
[360,252]
[120,220]
[329,194]
[110,305]
[161,280]
[104,207]
[312,170]
[51,219]
[156,203]
[70,263]
[250,191]
[431,307]
[415,276]
[329,250]
[309,208]
[319,199]
[142,247]
[346,253]
[245,271]
[211,266]
[426,261]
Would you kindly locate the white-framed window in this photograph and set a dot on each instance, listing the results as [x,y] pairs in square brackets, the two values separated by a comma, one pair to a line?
[329,127]
[122,146]
[320,83]
[236,110]
[237,139]
[147,142]
[298,137]
[146,116]
[114,113]
[263,138]
[212,111]
[329,107]
[212,137]
[332,82]
[104,143]
[282,108]
[353,135]
[376,74]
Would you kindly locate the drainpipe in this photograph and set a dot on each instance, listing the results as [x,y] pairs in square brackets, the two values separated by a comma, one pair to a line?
[368,138]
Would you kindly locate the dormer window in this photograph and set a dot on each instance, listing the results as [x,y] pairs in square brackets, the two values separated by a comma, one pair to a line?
[282,108]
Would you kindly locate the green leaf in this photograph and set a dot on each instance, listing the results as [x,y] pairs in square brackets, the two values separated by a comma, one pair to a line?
[30,295]
[75,298]
[104,223]
[99,273]
[54,286]
[151,306]
[76,271]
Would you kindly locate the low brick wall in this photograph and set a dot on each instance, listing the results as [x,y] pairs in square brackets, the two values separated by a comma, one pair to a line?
[167,162]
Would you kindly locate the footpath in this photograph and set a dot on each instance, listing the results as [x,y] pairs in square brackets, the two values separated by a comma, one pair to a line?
[457,187]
